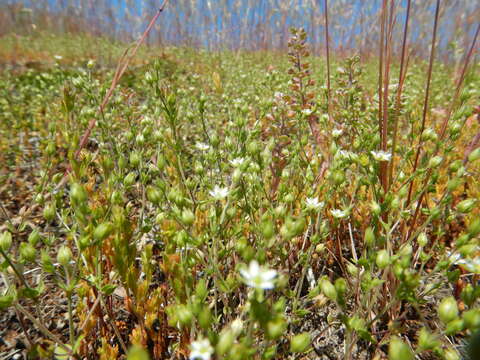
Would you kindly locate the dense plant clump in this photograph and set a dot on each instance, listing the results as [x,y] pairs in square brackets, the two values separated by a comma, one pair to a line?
[222,208]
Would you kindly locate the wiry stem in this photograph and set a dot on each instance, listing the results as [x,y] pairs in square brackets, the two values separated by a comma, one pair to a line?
[427,96]
[401,79]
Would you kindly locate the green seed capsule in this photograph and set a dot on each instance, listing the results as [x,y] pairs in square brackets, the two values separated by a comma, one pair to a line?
[64,256]
[102,231]
[466,206]
[5,241]
[398,350]
[383,259]
[27,251]
[34,237]
[300,343]
[188,217]
[328,289]
[49,212]
[154,195]
[448,310]
[78,195]
[474,155]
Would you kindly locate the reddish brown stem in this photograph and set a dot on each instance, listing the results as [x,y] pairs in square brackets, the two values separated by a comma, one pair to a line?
[427,96]
[401,79]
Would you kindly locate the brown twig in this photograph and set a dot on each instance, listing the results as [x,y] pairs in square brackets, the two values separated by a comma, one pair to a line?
[401,79]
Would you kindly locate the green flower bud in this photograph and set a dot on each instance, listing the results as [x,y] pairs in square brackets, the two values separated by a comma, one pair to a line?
[341,286]
[383,259]
[466,206]
[27,252]
[5,241]
[49,212]
[154,195]
[451,354]
[429,134]
[376,209]
[185,315]
[427,341]
[435,161]
[474,155]
[78,195]
[455,166]
[369,237]
[135,158]
[448,310]
[328,289]
[102,231]
[398,350]
[454,183]
[422,239]
[64,256]
[474,227]
[188,217]
[300,343]
[276,328]
[268,229]
[471,319]
[205,318]
[50,150]
[225,342]
[129,180]
[253,147]
[454,327]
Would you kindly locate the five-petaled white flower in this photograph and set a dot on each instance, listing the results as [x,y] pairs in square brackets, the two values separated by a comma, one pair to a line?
[472,265]
[201,350]
[219,193]
[339,213]
[237,162]
[313,203]
[307,112]
[381,155]
[337,132]
[202,146]
[258,277]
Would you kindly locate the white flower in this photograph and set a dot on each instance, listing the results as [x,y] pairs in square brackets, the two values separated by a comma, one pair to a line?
[58,57]
[258,277]
[381,155]
[307,112]
[337,132]
[339,213]
[201,349]
[472,265]
[219,193]
[345,154]
[237,326]
[237,162]
[202,146]
[313,203]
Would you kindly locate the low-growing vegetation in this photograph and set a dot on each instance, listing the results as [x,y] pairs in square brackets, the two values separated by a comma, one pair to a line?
[239,206]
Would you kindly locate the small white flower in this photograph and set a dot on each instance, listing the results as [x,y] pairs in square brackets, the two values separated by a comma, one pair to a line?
[201,350]
[313,203]
[307,112]
[237,162]
[237,326]
[258,277]
[472,265]
[381,155]
[58,57]
[337,132]
[202,146]
[339,214]
[347,155]
[219,193]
